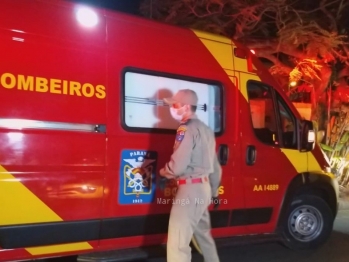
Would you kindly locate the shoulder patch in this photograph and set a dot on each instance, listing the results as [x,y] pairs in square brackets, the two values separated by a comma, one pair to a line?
[180,133]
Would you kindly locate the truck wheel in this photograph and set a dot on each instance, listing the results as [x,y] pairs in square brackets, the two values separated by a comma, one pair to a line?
[308,223]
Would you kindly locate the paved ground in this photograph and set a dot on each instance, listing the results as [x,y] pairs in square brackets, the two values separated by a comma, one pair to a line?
[344,198]
[335,250]
[343,204]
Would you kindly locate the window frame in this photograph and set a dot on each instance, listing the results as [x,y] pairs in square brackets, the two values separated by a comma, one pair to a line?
[278,97]
[275,94]
[173,76]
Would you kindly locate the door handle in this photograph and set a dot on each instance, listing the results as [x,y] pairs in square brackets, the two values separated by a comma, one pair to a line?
[223,153]
[251,155]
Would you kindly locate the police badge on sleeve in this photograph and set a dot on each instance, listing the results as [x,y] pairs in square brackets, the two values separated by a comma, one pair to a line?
[179,136]
[137,176]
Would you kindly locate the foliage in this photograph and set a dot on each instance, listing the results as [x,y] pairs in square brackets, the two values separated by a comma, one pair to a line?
[336,147]
[304,38]
[307,68]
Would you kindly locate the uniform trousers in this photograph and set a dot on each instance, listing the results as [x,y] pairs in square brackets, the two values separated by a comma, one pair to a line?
[189,216]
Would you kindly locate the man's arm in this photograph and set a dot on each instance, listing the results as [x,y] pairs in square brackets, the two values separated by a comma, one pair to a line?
[165,174]
[215,177]
[180,158]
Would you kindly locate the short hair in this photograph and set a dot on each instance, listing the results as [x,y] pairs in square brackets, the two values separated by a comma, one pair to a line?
[193,108]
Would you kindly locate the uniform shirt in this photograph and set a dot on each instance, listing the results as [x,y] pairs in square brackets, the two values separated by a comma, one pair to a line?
[194,154]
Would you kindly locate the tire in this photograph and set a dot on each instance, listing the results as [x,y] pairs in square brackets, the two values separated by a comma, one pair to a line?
[308,223]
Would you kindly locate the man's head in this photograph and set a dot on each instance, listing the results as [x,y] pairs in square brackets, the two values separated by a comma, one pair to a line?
[183,104]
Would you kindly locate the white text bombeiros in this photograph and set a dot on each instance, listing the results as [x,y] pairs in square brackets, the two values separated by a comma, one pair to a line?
[186,201]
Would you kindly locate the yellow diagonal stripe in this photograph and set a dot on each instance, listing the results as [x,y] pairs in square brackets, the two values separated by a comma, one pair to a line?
[21,205]
[219,47]
[302,161]
[244,77]
[298,159]
[59,248]
[213,37]
[313,164]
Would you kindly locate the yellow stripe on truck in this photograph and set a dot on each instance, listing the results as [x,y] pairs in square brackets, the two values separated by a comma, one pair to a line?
[303,161]
[315,167]
[219,47]
[313,164]
[59,248]
[244,77]
[20,206]
[298,159]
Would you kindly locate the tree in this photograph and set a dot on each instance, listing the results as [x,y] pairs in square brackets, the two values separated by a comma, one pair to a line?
[301,41]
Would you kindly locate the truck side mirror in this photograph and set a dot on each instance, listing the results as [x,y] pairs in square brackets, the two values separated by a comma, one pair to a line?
[307,136]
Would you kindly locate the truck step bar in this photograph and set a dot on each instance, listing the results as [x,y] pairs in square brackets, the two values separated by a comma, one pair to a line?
[160,251]
[124,255]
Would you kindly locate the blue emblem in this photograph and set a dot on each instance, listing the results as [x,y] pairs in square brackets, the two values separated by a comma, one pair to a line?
[180,136]
[180,133]
[137,177]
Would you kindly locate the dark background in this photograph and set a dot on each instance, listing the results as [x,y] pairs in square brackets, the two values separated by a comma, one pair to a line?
[126,6]
[132,7]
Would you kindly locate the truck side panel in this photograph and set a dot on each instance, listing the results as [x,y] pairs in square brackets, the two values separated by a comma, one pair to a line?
[52,160]
[183,58]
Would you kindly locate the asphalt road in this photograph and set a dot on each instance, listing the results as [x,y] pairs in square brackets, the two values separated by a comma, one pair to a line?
[336,249]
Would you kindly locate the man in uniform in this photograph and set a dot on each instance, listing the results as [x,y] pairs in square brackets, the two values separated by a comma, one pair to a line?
[195,166]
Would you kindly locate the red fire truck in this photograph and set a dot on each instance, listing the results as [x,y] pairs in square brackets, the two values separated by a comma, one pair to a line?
[84,132]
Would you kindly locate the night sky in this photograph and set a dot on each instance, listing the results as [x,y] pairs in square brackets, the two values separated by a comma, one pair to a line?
[127,6]
[132,7]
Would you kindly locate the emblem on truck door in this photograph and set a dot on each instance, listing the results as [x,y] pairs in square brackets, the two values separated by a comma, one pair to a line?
[137,177]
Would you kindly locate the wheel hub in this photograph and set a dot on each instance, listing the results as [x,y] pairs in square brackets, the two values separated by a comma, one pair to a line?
[305,223]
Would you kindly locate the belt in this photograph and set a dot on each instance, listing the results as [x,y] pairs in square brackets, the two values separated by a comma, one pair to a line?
[192,180]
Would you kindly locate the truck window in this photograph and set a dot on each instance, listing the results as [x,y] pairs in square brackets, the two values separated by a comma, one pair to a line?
[262,111]
[288,123]
[144,107]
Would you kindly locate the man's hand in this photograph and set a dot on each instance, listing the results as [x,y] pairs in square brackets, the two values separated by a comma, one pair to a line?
[165,174]
[162,172]
[215,202]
